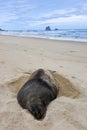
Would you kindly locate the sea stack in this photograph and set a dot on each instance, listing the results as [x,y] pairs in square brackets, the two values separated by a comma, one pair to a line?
[48,28]
[56,29]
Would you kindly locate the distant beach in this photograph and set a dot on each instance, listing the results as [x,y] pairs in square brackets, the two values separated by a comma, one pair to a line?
[60,34]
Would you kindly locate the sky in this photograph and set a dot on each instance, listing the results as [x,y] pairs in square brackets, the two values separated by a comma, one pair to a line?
[37,14]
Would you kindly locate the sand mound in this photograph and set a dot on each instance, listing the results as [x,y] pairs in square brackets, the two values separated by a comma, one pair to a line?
[65,110]
[67,88]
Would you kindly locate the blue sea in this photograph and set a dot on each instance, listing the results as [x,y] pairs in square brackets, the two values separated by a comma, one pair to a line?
[60,34]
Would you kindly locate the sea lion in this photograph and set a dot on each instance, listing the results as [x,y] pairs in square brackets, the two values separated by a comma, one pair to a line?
[37,93]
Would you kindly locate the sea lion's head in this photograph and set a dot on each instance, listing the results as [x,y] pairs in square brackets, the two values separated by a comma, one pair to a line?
[45,75]
[37,108]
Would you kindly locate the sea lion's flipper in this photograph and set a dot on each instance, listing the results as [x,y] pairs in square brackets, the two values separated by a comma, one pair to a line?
[46,79]
[52,71]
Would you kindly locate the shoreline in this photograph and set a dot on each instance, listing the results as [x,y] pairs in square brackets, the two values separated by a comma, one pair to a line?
[47,38]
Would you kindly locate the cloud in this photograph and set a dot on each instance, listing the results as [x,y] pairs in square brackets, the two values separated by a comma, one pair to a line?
[83,6]
[62,20]
[71,16]
[81,9]
[71,19]
[7,17]
[22,12]
[16,6]
[14,10]
[58,13]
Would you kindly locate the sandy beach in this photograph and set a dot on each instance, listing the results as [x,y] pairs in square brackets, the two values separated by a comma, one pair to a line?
[19,57]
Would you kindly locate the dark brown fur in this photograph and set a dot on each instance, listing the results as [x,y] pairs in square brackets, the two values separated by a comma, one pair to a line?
[37,93]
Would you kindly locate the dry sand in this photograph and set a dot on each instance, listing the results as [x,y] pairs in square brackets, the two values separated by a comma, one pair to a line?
[19,57]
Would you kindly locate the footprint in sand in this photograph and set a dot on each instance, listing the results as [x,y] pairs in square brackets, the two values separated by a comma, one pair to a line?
[72,51]
[2,62]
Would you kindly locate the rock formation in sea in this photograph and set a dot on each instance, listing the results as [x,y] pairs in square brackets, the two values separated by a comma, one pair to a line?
[48,28]
[56,29]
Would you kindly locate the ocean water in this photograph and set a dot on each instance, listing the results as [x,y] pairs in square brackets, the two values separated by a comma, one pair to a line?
[61,34]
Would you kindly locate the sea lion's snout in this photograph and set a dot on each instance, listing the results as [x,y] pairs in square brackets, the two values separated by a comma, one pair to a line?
[38,110]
